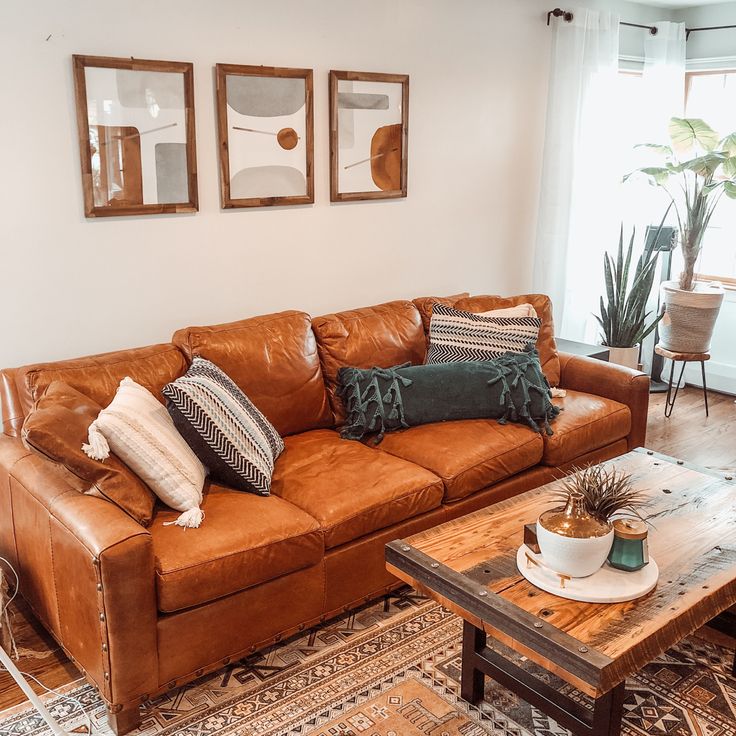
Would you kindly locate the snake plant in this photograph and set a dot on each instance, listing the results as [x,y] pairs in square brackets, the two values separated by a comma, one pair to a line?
[624,318]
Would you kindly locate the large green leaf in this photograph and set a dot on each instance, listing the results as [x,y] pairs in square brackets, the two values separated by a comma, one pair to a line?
[657,148]
[705,165]
[730,189]
[658,175]
[728,144]
[686,133]
[729,167]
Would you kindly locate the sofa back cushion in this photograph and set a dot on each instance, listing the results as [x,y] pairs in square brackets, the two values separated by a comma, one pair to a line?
[424,305]
[543,307]
[273,359]
[57,428]
[384,335]
[96,376]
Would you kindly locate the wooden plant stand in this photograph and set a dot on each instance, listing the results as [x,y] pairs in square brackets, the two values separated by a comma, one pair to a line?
[683,358]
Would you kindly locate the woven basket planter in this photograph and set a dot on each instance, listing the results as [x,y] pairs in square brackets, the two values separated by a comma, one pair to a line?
[690,316]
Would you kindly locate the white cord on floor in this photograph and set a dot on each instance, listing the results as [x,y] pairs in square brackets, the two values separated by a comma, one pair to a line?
[27,674]
[12,597]
[77,702]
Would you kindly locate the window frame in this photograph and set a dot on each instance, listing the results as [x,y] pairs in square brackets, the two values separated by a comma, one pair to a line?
[727,281]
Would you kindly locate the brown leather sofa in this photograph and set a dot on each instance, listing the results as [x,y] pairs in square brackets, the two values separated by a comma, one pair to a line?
[143,610]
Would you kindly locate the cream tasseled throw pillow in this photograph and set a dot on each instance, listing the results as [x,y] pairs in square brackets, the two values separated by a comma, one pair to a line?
[520,310]
[141,433]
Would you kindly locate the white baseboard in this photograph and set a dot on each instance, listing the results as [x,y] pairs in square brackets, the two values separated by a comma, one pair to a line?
[719,376]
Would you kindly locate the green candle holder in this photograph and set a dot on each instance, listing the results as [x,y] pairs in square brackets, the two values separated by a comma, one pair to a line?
[630,550]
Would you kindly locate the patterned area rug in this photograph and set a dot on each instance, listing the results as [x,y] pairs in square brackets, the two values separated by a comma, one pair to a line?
[392,669]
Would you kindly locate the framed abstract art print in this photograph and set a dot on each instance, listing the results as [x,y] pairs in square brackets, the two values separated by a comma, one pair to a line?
[266,135]
[369,117]
[135,120]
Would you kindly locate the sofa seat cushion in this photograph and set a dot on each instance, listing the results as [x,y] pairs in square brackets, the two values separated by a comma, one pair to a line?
[587,423]
[351,489]
[244,540]
[468,454]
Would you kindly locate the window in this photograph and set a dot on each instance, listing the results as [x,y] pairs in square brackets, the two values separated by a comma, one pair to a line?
[711,95]
[637,120]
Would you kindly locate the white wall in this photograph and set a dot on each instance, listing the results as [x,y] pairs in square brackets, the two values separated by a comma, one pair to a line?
[710,44]
[72,286]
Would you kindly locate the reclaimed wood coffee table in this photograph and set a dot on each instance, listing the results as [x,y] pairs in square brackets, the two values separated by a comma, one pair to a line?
[469,565]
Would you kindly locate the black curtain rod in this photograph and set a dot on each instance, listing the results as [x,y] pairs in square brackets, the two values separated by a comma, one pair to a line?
[688,31]
[567,16]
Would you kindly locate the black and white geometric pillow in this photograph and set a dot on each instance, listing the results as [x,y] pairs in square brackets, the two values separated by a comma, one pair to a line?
[223,427]
[456,336]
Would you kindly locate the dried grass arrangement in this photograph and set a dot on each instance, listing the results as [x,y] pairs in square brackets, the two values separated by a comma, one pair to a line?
[606,492]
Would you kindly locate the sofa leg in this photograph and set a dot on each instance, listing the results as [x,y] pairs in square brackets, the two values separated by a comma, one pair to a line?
[125,720]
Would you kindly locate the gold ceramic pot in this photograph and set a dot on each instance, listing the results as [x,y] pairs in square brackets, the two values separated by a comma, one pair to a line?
[572,541]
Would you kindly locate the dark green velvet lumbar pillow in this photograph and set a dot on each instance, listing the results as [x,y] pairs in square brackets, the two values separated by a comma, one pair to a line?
[509,388]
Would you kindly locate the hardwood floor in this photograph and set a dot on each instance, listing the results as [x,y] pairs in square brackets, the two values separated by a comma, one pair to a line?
[687,435]
[53,670]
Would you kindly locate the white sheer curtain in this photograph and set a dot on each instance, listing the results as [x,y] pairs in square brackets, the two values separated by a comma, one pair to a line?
[664,77]
[578,212]
[662,97]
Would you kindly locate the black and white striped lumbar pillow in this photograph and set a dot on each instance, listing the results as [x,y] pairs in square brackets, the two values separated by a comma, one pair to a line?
[456,336]
[223,427]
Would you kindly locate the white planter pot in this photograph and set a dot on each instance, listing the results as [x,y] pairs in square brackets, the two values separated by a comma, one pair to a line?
[571,556]
[690,316]
[628,357]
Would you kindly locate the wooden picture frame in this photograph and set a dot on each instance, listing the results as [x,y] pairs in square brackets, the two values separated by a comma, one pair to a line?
[124,173]
[267,159]
[375,125]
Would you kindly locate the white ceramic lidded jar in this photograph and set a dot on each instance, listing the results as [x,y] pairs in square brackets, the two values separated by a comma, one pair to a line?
[572,541]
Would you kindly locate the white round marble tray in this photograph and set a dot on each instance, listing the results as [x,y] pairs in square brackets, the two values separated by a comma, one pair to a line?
[608,585]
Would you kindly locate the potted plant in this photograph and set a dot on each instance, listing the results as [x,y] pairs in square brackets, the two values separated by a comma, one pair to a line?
[576,536]
[624,318]
[698,169]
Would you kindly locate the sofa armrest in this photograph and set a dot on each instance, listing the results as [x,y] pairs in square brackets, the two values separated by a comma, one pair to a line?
[625,385]
[87,569]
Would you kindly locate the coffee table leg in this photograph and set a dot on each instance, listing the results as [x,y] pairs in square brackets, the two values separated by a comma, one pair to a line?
[471,681]
[726,623]
[479,661]
[608,711]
